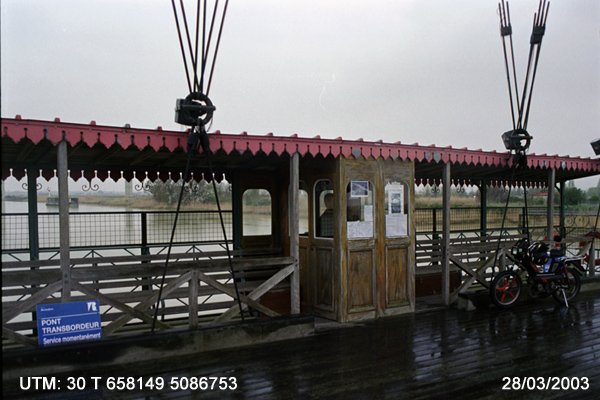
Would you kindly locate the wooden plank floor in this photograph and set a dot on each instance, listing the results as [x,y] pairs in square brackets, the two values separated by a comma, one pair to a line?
[448,354]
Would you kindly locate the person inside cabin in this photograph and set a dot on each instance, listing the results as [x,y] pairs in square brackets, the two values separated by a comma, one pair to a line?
[326,219]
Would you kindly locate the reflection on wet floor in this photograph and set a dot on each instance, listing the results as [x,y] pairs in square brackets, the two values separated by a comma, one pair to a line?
[442,354]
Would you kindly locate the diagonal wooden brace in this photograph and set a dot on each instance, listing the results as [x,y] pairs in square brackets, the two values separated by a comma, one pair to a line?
[150,301]
[135,313]
[258,292]
[228,291]
[31,302]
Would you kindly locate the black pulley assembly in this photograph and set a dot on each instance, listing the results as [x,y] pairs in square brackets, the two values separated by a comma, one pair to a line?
[518,140]
[195,110]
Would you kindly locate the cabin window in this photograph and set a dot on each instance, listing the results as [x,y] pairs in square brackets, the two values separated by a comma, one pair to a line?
[256,209]
[396,209]
[303,210]
[359,209]
[324,204]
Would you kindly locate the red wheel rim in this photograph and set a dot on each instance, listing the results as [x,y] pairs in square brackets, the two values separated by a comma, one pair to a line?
[507,288]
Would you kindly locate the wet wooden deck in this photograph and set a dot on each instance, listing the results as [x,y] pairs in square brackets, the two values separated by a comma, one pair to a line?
[440,354]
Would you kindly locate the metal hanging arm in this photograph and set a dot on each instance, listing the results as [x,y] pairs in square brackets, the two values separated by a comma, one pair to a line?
[506,30]
[535,43]
[196,110]
[518,139]
[512,57]
[537,34]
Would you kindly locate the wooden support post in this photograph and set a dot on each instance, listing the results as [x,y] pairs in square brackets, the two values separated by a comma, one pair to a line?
[563,230]
[592,259]
[483,212]
[236,209]
[483,206]
[63,220]
[145,250]
[193,300]
[550,205]
[32,214]
[435,234]
[294,215]
[32,220]
[446,235]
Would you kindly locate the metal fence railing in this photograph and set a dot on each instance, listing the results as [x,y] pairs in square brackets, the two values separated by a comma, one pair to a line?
[115,229]
[146,229]
[429,220]
[467,222]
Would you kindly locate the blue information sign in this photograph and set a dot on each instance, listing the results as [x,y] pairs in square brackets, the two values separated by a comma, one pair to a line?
[64,323]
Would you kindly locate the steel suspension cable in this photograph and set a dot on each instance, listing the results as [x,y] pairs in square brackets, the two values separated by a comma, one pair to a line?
[210,31]
[191,144]
[526,224]
[198,87]
[510,183]
[185,65]
[189,43]
[229,255]
[520,121]
[512,108]
[539,28]
[537,57]
[203,46]
[512,56]
[214,60]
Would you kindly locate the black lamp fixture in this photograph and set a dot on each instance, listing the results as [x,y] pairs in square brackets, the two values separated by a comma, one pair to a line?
[596,146]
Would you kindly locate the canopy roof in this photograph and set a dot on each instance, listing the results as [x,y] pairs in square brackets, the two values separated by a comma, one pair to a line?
[115,152]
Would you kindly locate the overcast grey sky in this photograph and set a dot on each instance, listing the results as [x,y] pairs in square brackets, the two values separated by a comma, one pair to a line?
[427,71]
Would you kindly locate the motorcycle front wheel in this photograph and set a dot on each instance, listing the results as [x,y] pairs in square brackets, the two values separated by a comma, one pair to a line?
[505,289]
[574,286]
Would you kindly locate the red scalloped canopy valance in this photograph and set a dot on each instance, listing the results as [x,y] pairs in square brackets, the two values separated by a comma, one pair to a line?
[34,132]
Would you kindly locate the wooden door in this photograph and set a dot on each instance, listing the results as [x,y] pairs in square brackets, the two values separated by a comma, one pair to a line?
[359,233]
[397,238]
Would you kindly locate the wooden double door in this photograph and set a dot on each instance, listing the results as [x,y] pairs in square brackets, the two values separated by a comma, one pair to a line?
[377,266]
[367,269]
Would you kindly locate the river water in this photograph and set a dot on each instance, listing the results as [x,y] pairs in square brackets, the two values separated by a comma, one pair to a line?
[101,226]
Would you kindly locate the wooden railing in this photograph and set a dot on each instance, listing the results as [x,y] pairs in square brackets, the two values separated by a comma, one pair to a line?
[479,258]
[198,289]
[473,256]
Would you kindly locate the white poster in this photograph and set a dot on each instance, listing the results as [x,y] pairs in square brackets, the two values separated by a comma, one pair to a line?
[368,210]
[395,198]
[359,188]
[396,225]
[360,229]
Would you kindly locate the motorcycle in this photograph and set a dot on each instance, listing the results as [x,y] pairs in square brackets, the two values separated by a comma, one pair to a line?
[545,273]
